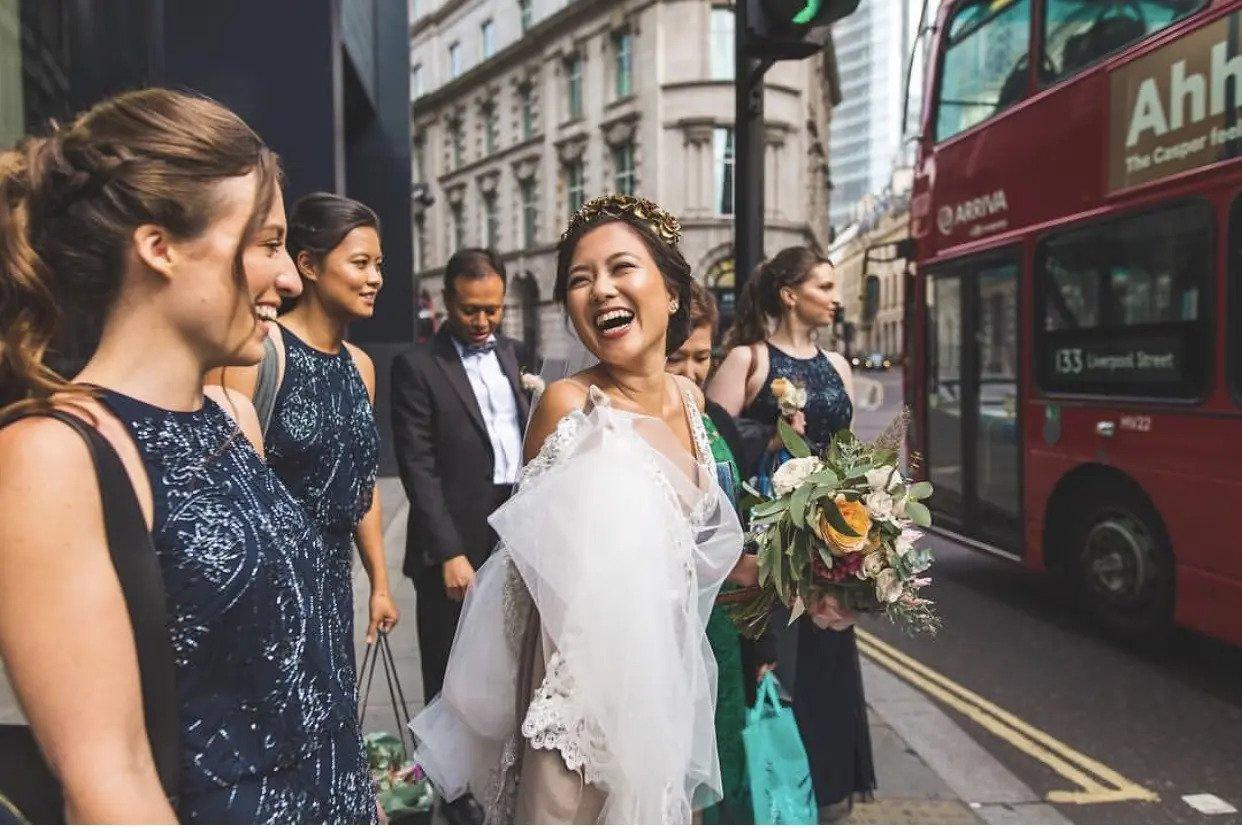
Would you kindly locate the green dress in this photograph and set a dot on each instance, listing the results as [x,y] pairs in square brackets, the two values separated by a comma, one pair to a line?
[726,644]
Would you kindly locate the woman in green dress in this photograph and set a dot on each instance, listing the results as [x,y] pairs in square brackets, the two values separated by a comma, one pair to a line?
[693,360]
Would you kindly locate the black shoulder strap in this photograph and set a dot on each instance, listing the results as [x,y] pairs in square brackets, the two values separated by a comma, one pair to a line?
[137,568]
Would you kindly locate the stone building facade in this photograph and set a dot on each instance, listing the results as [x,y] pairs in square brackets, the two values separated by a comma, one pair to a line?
[523,109]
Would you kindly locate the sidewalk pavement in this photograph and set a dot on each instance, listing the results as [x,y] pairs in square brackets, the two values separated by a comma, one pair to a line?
[930,771]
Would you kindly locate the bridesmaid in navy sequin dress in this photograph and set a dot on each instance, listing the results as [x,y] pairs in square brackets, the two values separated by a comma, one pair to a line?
[322,437]
[159,215]
[270,730]
[797,288]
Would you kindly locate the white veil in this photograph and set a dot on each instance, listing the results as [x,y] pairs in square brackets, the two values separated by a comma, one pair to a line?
[622,544]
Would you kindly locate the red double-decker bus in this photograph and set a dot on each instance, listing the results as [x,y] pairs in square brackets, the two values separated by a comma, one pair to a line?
[1075,322]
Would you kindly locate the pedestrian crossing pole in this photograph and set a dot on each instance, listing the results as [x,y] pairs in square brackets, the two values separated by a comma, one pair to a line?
[766,31]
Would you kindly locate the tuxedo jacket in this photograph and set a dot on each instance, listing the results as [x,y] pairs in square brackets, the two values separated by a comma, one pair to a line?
[444,455]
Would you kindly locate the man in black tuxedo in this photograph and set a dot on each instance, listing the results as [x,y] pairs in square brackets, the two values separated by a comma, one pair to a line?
[458,414]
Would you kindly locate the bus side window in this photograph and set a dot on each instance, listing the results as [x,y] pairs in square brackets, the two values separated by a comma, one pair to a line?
[1125,305]
[1077,33]
[984,69]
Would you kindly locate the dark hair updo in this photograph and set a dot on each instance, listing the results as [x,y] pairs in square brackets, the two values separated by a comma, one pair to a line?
[658,230]
[321,221]
[761,295]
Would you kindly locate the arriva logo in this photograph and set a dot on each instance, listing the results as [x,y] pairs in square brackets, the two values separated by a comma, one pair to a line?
[949,218]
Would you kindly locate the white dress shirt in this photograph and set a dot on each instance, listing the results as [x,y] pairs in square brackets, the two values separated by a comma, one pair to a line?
[499,407]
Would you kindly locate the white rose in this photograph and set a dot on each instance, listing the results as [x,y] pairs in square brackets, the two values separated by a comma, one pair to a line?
[903,545]
[799,397]
[880,505]
[888,586]
[793,473]
[883,479]
[873,565]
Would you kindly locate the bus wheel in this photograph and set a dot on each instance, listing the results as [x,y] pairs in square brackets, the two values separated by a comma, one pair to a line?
[1122,569]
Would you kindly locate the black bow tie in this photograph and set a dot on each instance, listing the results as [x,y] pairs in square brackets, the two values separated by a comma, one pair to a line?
[481,350]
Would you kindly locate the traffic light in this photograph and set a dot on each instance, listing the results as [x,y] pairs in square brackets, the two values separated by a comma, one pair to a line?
[767,31]
[791,29]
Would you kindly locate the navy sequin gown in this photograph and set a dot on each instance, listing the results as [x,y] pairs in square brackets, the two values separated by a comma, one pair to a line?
[826,678]
[269,732]
[324,444]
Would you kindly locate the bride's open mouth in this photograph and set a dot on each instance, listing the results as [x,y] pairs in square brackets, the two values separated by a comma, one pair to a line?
[614,323]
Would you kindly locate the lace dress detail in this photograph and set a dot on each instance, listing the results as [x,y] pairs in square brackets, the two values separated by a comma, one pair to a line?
[554,721]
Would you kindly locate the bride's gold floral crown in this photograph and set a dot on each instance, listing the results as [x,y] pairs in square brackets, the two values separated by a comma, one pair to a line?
[661,222]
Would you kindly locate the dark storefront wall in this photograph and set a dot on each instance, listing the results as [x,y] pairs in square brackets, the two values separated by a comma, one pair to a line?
[325,82]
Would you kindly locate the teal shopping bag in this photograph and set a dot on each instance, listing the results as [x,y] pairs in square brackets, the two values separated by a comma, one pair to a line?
[780,777]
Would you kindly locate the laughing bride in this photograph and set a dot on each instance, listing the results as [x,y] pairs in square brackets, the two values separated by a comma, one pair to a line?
[581,687]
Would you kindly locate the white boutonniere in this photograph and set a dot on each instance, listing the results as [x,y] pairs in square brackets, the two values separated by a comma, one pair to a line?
[532,384]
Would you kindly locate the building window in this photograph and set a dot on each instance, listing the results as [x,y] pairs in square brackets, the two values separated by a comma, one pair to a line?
[530,213]
[623,175]
[623,46]
[984,69]
[457,145]
[575,186]
[573,86]
[457,228]
[528,113]
[416,80]
[527,10]
[491,222]
[487,30]
[491,130]
[418,162]
[454,60]
[721,46]
[420,242]
[722,138]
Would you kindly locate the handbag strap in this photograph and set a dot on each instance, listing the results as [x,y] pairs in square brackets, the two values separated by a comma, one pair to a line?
[380,650]
[267,384]
[142,585]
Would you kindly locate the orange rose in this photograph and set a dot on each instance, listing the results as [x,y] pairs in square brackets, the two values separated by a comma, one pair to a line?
[780,387]
[856,517]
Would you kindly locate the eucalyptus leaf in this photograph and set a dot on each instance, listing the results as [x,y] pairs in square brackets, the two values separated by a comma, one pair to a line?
[833,515]
[793,440]
[796,612]
[919,560]
[771,507]
[918,513]
[825,477]
[920,490]
[798,503]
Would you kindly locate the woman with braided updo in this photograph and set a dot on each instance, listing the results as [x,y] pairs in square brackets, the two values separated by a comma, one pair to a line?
[598,706]
[157,217]
[796,290]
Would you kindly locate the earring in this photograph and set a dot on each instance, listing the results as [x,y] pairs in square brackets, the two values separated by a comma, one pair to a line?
[674,306]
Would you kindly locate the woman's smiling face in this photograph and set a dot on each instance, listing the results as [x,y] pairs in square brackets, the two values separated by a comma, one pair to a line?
[616,296]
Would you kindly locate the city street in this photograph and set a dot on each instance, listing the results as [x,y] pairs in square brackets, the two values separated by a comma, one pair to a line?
[1016,712]
[1165,720]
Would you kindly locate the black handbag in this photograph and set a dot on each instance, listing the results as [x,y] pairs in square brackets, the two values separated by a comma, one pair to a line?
[29,792]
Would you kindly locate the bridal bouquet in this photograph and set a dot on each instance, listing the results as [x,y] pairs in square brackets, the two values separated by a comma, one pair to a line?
[843,524]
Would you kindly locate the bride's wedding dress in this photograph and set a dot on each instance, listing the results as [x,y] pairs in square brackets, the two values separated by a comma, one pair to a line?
[581,687]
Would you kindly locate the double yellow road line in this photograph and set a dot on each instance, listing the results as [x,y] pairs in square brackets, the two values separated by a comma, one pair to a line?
[1095,782]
